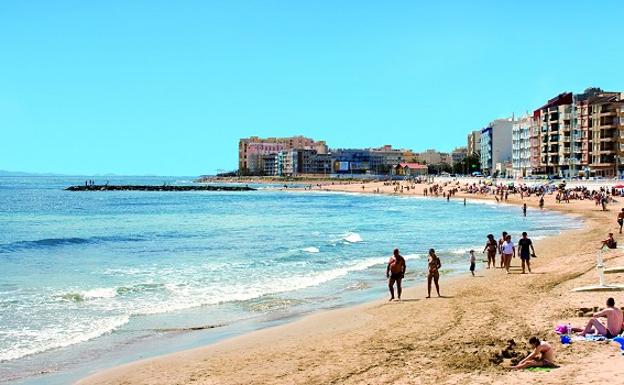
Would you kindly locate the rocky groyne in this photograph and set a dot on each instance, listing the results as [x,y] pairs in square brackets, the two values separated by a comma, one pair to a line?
[157,188]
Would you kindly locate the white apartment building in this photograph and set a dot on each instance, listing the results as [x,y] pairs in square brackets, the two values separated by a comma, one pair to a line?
[496,144]
[521,146]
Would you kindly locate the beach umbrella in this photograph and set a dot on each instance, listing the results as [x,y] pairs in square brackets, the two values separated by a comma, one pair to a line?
[619,185]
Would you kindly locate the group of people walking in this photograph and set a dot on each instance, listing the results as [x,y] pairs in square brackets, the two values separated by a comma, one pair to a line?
[506,248]
[395,270]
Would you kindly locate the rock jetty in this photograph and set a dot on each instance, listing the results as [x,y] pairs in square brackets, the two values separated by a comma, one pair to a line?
[157,188]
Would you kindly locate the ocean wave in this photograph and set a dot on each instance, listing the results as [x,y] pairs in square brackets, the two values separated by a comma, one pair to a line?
[48,339]
[110,292]
[352,237]
[55,242]
[311,250]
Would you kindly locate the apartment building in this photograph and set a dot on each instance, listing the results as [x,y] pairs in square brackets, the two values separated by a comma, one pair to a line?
[521,146]
[384,158]
[431,156]
[496,144]
[474,142]
[600,119]
[458,155]
[578,135]
[252,150]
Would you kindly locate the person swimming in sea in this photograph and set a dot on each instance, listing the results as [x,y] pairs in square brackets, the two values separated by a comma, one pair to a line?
[433,266]
[395,272]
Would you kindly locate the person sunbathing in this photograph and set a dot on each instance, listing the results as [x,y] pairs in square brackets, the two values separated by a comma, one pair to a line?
[614,318]
[543,355]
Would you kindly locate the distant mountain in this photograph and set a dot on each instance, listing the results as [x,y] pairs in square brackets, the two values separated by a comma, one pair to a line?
[22,173]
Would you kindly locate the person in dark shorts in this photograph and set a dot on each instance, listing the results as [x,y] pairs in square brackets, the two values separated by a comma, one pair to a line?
[473,262]
[541,203]
[395,272]
[525,246]
[524,209]
[620,219]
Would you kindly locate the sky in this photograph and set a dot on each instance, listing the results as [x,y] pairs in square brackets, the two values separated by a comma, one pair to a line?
[169,87]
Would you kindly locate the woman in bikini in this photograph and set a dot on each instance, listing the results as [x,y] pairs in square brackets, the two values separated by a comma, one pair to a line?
[491,246]
[434,265]
[543,355]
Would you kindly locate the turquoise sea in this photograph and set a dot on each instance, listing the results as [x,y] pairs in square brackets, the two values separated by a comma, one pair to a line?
[94,279]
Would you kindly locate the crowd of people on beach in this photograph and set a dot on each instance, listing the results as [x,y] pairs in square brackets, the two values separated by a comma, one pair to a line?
[543,353]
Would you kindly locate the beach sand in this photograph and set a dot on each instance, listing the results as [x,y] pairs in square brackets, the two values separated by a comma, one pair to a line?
[446,340]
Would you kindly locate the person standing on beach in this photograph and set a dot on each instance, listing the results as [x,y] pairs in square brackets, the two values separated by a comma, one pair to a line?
[524,244]
[524,209]
[491,246]
[509,251]
[434,266]
[541,203]
[500,248]
[620,219]
[473,262]
[395,272]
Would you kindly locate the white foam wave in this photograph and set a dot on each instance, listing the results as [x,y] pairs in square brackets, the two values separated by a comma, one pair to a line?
[312,250]
[53,338]
[102,292]
[352,237]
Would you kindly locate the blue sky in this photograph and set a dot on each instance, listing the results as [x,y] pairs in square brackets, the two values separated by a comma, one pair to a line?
[168,88]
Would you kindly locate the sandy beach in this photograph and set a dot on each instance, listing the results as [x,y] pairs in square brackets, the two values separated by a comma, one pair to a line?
[454,339]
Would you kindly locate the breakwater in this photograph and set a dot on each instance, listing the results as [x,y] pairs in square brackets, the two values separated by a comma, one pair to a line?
[156,188]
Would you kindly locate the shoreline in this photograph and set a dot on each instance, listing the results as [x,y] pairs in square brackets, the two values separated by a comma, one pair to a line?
[289,360]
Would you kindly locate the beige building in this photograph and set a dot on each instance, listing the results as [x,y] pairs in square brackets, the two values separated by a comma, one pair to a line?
[474,143]
[431,156]
[458,155]
[252,150]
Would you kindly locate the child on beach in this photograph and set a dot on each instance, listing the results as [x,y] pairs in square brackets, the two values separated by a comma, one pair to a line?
[473,262]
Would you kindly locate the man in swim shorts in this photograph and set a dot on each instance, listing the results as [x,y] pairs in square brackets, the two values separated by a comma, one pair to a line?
[620,219]
[395,272]
[614,318]
[525,249]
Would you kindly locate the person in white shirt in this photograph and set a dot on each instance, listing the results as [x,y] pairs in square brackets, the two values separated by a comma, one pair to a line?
[509,250]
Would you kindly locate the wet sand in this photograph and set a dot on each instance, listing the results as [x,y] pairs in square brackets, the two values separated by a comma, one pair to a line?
[449,340]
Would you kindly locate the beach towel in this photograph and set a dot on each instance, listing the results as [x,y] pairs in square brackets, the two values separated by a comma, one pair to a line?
[539,369]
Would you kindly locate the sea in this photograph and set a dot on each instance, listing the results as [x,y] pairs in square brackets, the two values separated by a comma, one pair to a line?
[90,280]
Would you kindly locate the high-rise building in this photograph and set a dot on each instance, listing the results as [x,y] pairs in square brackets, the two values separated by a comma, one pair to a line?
[521,146]
[474,143]
[577,134]
[496,144]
